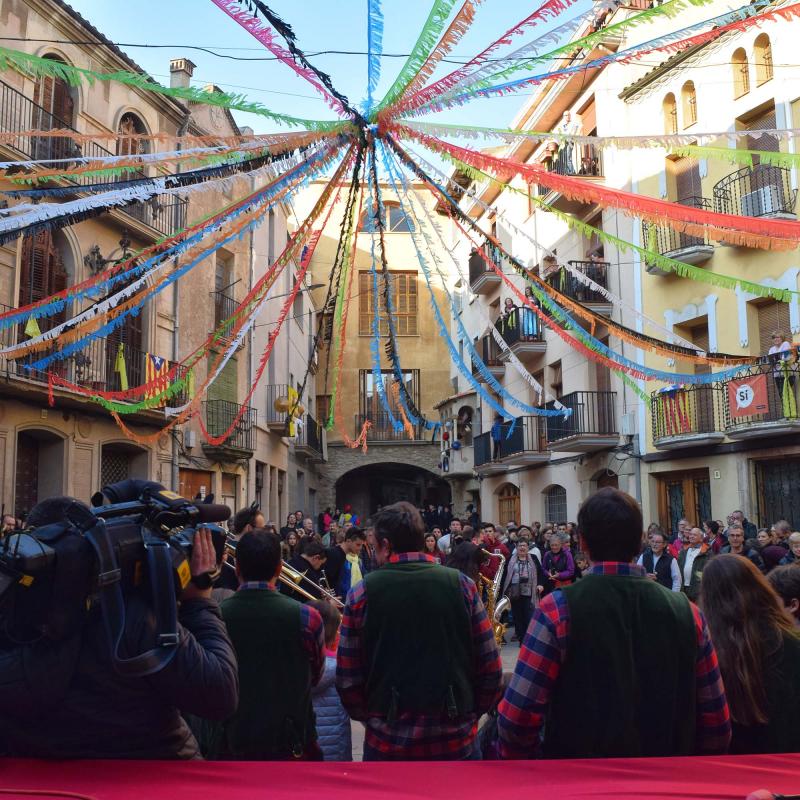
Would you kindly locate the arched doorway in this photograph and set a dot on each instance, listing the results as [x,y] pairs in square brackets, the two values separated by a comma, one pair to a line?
[39,469]
[607,478]
[368,487]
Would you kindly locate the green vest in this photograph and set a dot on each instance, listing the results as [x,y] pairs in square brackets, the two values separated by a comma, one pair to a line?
[275,718]
[627,684]
[418,642]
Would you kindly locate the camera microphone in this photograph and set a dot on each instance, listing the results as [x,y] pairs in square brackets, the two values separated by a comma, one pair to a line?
[212,512]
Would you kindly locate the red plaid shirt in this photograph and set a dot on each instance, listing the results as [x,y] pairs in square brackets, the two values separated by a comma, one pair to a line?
[523,709]
[416,737]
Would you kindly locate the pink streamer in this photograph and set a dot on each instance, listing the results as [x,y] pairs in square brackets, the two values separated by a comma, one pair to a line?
[264,35]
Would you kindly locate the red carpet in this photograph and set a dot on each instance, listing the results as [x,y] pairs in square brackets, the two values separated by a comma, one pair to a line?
[678,778]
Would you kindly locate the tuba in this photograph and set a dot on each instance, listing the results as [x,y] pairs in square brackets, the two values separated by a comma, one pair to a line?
[495,604]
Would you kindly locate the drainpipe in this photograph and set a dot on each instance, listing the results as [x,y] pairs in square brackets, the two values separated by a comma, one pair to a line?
[176,324]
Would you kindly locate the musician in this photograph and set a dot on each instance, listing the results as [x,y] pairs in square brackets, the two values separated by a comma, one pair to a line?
[244,520]
[392,650]
[493,545]
[310,562]
[280,647]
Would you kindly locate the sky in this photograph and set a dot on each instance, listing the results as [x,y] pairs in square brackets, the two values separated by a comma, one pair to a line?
[319,25]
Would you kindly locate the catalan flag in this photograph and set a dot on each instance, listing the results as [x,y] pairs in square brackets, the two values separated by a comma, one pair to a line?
[155,369]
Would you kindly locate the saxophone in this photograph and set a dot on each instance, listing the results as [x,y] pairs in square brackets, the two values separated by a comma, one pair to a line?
[495,604]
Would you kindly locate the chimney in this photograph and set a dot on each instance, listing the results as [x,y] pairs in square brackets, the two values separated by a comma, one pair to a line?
[246,130]
[181,71]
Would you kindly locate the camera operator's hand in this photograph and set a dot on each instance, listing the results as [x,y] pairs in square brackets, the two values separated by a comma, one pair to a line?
[203,561]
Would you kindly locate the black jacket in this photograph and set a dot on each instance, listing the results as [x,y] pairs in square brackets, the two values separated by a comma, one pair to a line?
[103,715]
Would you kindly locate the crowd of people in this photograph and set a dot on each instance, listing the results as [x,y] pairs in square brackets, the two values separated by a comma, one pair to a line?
[631,642]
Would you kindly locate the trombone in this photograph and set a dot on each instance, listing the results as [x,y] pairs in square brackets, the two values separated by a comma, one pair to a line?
[291,578]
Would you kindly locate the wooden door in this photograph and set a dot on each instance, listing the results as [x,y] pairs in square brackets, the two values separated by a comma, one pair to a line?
[683,494]
[192,482]
[509,505]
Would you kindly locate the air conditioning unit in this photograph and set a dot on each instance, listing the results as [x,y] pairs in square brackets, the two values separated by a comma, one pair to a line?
[189,439]
[627,424]
[766,200]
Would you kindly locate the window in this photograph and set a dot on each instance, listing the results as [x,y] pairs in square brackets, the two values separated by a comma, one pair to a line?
[395,219]
[555,504]
[323,408]
[689,104]
[54,108]
[772,316]
[508,504]
[741,73]
[127,142]
[370,404]
[778,490]
[297,305]
[670,109]
[556,379]
[762,55]
[404,302]
[42,273]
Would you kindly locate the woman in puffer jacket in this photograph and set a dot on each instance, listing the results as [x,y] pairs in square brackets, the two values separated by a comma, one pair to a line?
[333,723]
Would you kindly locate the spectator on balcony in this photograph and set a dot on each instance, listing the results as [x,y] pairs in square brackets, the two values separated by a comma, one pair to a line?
[530,322]
[508,319]
[759,656]
[496,435]
[779,355]
[659,564]
[736,545]
[793,556]
[786,582]
[570,125]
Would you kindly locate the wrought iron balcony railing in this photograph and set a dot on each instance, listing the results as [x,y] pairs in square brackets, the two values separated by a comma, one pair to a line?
[576,159]
[593,413]
[759,191]
[570,285]
[382,430]
[220,415]
[687,412]
[520,325]
[489,352]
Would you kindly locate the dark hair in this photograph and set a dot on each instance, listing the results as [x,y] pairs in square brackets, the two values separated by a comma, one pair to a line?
[258,554]
[311,548]
[243,518]
[785,581]
[52,510]
[424,541]
[355,533]
[331,619]
[467,559]
[747,624]
[610,522]
[712,525]
[401,525]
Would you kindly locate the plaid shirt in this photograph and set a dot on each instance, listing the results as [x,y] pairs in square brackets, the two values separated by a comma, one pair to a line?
[523,709]
[416,737]
[313,632]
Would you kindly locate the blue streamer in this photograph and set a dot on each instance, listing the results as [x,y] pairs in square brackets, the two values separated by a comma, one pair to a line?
[474,356]
[69,349]
[56,306]
[745,12]
[595,344]
[374,50]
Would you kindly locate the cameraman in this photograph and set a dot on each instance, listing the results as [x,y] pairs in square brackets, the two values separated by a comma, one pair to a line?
[101,714]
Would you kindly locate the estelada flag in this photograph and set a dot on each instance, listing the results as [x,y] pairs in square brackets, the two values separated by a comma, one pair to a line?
[155,367]
[747,397]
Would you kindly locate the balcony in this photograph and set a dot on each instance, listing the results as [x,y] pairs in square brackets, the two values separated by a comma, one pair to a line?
[484,464]
[572,286]
[524,441]
[482,278]
[574,160]
[381,430]
[692,416]
[590,427]
[241,443]
[780,416]
[667,242]
[490,353]
[275,419]
[759,191]
[460,463]
[18,113]
[311,440]
[522,332]
[224,308]
[94,367]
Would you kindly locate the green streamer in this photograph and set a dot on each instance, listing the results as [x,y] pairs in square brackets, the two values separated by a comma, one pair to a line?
[47,67]
[656,259]
[426,41]
[670,9]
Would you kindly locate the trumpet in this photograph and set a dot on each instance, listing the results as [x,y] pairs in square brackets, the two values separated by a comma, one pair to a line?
[289,577]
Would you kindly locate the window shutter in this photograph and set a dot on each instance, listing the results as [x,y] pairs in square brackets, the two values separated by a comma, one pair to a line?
[772,316]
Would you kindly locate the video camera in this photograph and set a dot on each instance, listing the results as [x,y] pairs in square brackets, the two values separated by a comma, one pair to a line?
[138,536]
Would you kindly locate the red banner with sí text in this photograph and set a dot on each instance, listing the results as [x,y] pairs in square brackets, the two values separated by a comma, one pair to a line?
[747,397]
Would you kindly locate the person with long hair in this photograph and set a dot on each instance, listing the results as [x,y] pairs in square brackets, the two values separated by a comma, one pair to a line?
[289,547]
[430,548]
[759,656]
[467,558]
